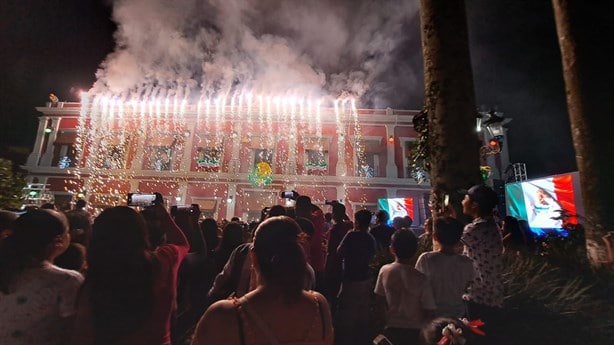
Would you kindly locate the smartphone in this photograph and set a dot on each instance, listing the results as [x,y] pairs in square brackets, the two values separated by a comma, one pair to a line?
[289,195]
[184,208]
[144,200]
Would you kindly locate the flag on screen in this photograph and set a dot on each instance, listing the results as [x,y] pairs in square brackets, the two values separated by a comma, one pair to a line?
[397,207]
[540,202]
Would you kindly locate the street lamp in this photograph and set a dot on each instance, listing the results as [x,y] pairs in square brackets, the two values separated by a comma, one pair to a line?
[494,124]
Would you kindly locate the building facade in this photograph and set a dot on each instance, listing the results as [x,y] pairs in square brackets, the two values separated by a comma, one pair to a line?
[230,158]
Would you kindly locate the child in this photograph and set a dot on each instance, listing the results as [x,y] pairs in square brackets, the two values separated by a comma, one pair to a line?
[449,273]
[483,245]
[451,331]
[404,293]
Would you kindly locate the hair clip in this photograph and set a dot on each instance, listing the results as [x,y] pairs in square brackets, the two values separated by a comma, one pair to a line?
[451,335]
[474,326]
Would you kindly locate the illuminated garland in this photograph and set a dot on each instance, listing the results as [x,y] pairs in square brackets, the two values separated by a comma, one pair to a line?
[261,175]
[64,162]
[316,166]
[208,163]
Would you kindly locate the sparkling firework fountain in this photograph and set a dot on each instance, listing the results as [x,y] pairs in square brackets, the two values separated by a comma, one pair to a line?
[166,141]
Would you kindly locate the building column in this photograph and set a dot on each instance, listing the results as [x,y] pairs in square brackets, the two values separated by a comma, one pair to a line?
[235,162]
[37,150]
[186,159]
[137,162]
[341,167]
[182,192]
[47,157]
[391,193]
[391,166]
[341,193]
[230,206]
[134,185]
[292,145]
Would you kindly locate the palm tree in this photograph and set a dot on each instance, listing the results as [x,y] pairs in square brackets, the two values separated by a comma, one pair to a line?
[588,80]
[449,101]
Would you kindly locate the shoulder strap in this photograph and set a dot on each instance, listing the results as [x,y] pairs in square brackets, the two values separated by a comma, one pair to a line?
[239,322]
[258,322]
[321,315]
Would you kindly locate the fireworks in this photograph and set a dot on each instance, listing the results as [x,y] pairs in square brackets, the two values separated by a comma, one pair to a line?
[166,141]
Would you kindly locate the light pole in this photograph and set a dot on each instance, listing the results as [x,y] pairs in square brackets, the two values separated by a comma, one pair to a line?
[493,153]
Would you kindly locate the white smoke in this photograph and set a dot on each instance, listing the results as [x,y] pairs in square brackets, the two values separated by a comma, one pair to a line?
[220,47]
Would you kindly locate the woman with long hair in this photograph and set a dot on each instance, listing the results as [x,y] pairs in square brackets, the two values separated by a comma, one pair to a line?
[37,298]
[232,237]
[130,289]
[278,311]
[209,229]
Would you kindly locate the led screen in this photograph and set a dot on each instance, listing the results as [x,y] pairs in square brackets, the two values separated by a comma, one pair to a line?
[397,207]
[540,202]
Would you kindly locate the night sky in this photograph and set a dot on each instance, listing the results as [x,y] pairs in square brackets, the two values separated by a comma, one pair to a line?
[57,45]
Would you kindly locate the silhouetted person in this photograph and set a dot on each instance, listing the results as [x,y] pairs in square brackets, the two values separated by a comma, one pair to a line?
[74,258]
[514,238]
[7,218]
[334,268]
[449,273]
[356,250]
[316,255]
[381,231]
[403,293]
[129,292]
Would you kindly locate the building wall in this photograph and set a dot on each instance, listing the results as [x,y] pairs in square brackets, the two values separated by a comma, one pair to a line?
[224,190]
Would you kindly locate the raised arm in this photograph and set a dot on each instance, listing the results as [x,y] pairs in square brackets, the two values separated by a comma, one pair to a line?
[174,235]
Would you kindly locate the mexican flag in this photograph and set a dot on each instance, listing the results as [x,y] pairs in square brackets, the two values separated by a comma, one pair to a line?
[397,207]
[540,202]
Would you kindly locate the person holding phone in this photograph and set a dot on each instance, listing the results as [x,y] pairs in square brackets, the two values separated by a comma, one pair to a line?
[129,292]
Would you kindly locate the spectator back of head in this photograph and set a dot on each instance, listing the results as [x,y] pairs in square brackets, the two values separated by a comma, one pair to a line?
[404,243]
[281,260]
[363,219]
[338,212]
[277,210]
[382,216]
[306,225]
[484,197]
[448,230]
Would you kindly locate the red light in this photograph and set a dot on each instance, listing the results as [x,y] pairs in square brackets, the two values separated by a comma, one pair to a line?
[391,139]
[493,143]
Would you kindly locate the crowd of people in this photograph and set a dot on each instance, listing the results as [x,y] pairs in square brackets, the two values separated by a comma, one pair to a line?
[298,276]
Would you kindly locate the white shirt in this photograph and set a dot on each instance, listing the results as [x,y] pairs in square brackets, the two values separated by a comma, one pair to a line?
[449,276]
[484,246]
[408,293]
[35,312]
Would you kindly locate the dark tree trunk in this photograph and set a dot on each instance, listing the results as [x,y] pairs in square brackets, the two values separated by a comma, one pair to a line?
[588,86]
[449,100]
